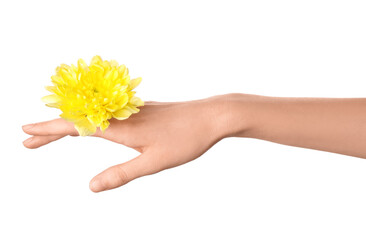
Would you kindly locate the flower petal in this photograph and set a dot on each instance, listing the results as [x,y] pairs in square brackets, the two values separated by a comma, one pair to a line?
[104,125]
[72,117]
[85,128]
[131,108]
[136,101]
[123,100]
[114,63]
[112,107]
[96,60]
[82,65]
[122,114]
[53,105]
[135,82]
[51,88]
[57,80]
[53,98]
[67,76]
[122,70]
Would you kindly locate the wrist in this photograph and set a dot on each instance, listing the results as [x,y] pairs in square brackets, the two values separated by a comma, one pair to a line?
[233,114]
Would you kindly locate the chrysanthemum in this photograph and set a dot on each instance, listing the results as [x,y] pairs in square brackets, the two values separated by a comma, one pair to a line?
[90,95]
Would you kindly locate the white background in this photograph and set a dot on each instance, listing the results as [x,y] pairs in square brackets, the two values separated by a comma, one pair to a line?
[183,50]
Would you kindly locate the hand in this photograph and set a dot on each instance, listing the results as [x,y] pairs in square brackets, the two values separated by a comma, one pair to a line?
[166,135]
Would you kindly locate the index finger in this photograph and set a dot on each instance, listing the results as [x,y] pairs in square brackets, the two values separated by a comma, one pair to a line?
[53,127]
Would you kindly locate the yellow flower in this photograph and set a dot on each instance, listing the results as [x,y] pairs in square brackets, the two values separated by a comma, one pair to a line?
[90,95]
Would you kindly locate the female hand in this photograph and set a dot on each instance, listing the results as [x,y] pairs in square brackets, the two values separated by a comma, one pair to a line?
[171,134]
[166,135]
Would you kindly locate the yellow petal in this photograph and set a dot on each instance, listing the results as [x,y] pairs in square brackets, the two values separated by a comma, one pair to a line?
[65,67]
[106,65]
[67,76]
[131,94]
[112,107]
[74,68]
[122,114]
[85,128]
[72,117]
[96,60]
[94,119]
[123,100]
[57,80]
[122,70]
[51,88]
[53,98]
[131,108]
[104,125]
[136,101]
[97,68]
[82,65]
[111,75]
[53,105]
[125,80]
[114,63]
[121,88]
[135,82]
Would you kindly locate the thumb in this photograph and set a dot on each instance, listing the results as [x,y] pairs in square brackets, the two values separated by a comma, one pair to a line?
[121,174]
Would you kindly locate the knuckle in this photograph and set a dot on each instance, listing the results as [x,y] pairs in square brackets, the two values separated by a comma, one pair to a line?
[122,175]
[114,177]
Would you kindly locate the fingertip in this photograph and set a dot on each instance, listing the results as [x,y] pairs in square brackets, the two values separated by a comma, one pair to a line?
[27,127]
[38,141]
[96,186]
[31,143]
[27,142]
[121,174]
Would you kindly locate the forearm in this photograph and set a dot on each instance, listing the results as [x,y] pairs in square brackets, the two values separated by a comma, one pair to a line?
[329,124]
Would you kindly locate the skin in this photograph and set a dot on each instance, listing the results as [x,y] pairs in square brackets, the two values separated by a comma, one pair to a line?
[173,133]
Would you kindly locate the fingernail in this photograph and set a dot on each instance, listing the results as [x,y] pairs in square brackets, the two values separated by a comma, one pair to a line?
[28,141]
[27,127]
[96,186]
